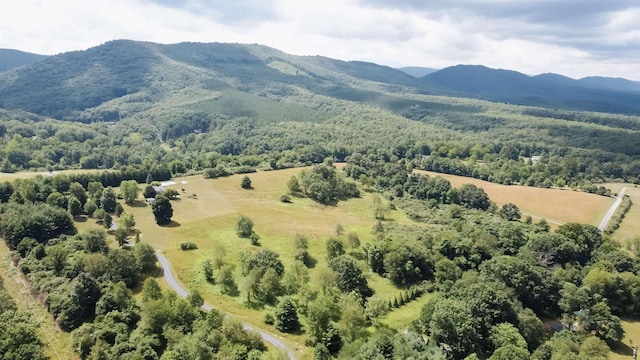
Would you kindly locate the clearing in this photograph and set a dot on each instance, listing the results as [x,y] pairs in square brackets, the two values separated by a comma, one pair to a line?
[555,205]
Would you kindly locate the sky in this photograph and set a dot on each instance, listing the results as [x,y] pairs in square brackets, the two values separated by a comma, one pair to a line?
[576,38]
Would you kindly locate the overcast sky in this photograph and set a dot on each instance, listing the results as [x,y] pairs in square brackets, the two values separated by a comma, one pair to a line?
[576,38]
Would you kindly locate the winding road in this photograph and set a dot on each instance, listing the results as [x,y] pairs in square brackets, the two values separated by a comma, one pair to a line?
[612,210]
[173,283]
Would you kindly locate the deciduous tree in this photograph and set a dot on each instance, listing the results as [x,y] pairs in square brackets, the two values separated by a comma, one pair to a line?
[129,190]
[244,226]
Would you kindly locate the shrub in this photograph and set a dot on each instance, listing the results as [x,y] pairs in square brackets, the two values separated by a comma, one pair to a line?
[285,198]
[188,246]
[244,226]
[255,239]
[268,319]
[245,183]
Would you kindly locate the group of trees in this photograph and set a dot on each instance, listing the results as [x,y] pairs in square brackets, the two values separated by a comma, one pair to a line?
[88,285]
[491,304]
[323,183]
[495,279]
[18,331]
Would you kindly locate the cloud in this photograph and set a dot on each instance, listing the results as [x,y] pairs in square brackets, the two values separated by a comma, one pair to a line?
[590,25]
[225,11]
[573,37]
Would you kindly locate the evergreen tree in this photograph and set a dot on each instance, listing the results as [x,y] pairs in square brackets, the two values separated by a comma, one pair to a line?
[286,315]
[162,210]
[74,207]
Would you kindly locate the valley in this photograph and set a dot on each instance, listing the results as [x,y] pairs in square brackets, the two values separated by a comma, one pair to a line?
[341,206]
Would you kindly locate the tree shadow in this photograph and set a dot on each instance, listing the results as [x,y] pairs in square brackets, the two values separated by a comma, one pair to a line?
[254,305]
[298,330]
[158,272]
[311,262]
[80,219]
[172,224]
[231,290]
[139,204]
[621,348]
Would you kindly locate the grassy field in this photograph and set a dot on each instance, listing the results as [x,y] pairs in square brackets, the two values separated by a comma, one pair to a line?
[631,338]
[402,317]
[57,343]
[552,204]
[630,226]
[207,213]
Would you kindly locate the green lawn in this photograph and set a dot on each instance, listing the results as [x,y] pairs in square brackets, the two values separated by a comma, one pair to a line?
[631,337]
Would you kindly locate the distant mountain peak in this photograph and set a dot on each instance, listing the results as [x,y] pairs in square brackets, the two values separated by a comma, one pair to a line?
[11,59]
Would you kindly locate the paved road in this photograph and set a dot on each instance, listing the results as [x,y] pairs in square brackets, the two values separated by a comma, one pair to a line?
[168,275]
[612,210]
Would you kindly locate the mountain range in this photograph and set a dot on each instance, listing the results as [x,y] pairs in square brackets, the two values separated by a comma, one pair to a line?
[126,77]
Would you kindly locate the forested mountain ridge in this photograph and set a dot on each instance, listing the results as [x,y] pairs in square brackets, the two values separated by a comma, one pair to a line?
[11,59]
[66,85]
[199,106]
[82,85]
[544,90]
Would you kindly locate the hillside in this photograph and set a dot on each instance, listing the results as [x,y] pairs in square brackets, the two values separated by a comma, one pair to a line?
[11,59]
[64,86]
[121,78]
[127,103]
[545,90]
[296,196]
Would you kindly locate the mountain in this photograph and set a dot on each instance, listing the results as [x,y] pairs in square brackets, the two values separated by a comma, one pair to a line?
[124,79]
[417,71]
[11,59]
[617,84]
[545,90]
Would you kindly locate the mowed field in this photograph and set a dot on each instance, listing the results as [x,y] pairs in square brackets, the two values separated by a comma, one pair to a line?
[555,205]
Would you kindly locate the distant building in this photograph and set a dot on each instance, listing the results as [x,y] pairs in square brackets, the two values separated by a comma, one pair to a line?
[535,158]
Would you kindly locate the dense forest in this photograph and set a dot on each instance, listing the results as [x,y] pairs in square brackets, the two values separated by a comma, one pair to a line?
[128,115]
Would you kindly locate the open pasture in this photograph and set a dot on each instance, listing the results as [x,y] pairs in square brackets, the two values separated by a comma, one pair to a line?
[630,226]
[206,215]
[552,204]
